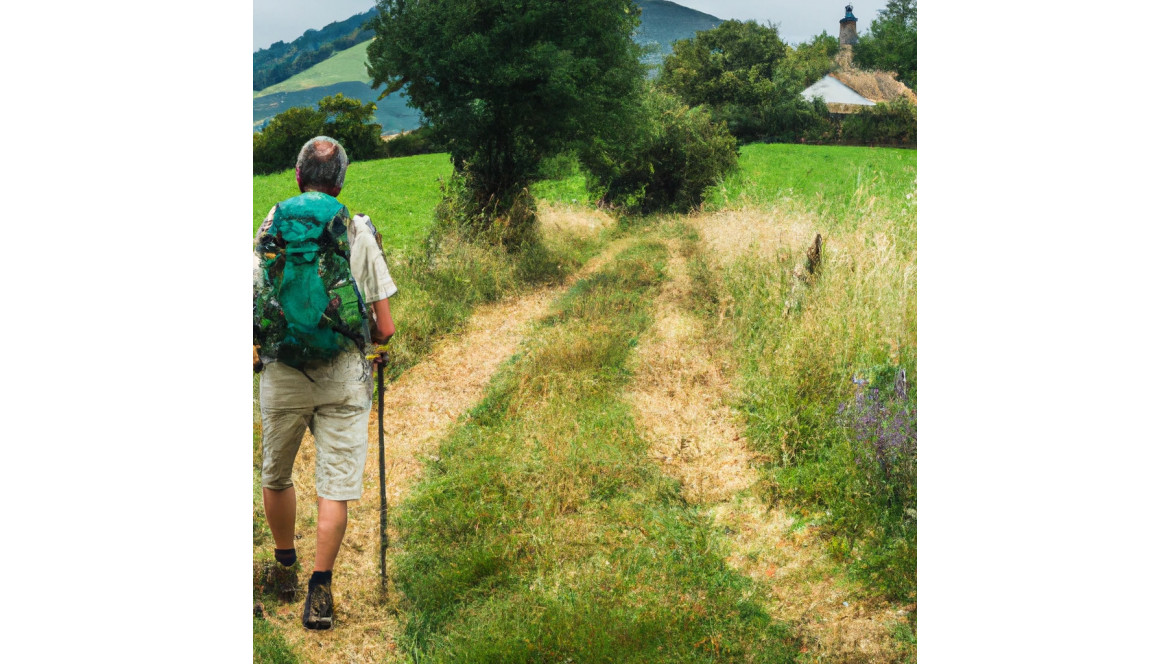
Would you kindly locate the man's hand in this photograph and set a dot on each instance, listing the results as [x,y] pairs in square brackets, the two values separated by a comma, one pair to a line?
[380,356]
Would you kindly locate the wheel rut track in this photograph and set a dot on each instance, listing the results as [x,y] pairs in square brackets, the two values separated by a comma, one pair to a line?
[681,393]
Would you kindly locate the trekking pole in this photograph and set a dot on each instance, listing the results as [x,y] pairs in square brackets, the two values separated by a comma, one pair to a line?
[382,472]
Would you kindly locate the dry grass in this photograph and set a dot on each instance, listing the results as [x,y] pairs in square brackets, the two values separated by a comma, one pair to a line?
[732,234]
[572,220]
[834,617]
[678,394]
[879,86]
[680,391]
[421,408]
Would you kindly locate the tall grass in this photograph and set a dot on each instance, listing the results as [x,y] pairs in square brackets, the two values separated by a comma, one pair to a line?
[544,533]
[822,356]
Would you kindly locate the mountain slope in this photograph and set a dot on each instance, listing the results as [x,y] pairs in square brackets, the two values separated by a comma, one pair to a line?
[663,23]
[348,65]
[280,61]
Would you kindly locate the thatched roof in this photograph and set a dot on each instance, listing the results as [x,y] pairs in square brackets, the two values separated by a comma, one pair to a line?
[877,86]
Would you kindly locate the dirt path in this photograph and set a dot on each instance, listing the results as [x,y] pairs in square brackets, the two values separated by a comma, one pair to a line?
[421,407]
[681,391]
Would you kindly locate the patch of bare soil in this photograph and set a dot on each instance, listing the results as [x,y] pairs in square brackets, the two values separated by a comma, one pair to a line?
[681,393]
[421,407]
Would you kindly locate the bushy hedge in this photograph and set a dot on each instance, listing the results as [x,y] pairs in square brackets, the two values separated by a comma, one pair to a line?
[664,160]
[893,123]
[419,141]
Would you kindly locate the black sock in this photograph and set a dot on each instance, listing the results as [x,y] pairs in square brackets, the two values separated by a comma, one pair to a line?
[321,578]
[286,557]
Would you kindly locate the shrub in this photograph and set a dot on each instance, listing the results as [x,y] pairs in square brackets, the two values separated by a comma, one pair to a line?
[348,120]
[895,123]
[420,141]
[461,211]
[791,119]
[665,159]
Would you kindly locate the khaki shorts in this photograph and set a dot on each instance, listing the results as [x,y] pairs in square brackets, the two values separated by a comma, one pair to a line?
[335,406]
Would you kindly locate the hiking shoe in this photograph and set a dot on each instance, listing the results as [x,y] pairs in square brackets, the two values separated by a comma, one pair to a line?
[319,606]
[282,581]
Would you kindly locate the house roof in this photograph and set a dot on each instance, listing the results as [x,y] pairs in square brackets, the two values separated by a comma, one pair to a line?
[859,88]
[835,92]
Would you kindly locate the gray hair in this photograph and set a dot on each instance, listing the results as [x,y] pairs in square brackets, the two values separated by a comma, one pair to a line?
[322,163]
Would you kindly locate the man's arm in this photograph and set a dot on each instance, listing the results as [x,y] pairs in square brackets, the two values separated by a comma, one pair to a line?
[383,327]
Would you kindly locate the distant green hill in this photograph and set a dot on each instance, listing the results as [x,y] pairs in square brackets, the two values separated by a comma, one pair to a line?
[663,23]
[281,61]
[348,65]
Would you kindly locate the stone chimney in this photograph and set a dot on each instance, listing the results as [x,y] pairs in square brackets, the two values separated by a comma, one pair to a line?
[847,39]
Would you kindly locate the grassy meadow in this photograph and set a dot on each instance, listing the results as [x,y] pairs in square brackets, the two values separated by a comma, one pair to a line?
[543,529]
[399,195]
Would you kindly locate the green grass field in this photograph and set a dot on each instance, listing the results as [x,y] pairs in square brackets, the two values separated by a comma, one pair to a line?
[399,195]
[348,65]
[825,179]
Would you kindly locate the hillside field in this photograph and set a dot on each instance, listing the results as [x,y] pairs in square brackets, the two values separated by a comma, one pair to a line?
[683,438]
[348,65]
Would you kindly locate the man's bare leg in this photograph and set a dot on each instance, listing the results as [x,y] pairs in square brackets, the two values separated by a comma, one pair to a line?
[280,509]
[331,522]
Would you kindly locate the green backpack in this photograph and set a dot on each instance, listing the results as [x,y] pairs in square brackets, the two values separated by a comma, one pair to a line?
[307,307]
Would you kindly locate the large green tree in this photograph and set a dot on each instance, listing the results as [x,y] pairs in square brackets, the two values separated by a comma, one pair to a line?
[732,63]
[892,42]
[736,69]
[506,83]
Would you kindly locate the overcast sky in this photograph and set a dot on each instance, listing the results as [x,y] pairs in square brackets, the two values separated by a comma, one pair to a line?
[276,20]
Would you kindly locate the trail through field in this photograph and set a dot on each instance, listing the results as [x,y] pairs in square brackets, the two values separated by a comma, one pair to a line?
[421,407]
[682,391]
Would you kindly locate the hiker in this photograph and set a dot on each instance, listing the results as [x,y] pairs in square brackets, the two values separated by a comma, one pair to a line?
[321,292]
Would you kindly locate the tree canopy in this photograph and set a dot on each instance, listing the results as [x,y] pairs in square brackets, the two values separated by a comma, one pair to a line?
[345,119]
[507,83]
[732,63]
[892,42]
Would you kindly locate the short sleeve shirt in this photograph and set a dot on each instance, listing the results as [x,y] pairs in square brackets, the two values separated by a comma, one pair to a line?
[365,258]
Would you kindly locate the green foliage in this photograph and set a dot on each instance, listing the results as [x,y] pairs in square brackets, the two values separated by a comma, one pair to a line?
[663,160]
[808,63]
[419,141]
[895,123]
[276,147]
[280,61]
[563,181]
[891,43]
[509,222]
[752,81]
[506,84]
[732,64]
[789,118]
[347,120]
